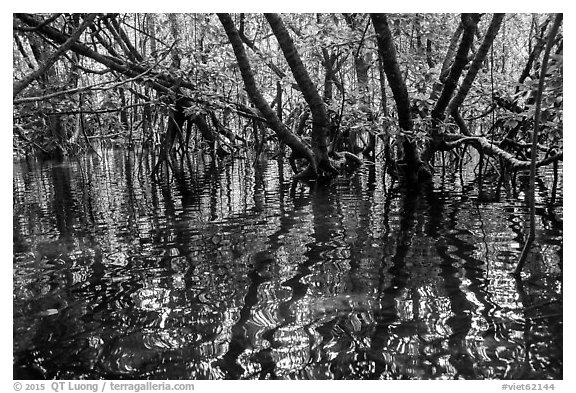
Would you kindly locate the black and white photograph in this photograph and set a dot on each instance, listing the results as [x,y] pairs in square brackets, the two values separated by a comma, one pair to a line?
[286,196]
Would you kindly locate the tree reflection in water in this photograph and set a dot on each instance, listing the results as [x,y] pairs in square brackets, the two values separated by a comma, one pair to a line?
[229,270]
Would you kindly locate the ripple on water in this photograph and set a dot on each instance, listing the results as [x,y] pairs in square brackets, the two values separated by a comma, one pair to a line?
[233,271]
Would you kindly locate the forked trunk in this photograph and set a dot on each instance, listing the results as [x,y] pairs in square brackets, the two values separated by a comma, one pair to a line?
[469,21]
[283,133]
[320,121]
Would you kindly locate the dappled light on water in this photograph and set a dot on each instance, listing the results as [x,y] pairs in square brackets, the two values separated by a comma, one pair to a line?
[232,271]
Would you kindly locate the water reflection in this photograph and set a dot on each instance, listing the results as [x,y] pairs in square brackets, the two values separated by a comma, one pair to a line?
[231,271]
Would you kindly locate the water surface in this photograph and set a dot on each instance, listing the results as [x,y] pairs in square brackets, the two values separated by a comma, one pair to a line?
[231,270]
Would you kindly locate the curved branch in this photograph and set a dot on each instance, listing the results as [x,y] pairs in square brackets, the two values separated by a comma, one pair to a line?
[161,83]
[494,150]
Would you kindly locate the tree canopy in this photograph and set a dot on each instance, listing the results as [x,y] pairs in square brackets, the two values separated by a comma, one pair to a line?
[331,87]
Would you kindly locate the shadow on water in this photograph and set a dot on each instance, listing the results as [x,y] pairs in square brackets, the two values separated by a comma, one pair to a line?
[231,271]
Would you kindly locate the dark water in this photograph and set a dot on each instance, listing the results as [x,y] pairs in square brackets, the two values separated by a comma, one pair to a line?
[234,271]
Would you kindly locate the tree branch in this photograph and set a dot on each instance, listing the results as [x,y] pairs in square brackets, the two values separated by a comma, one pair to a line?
[493,150]
[392,70]
[317,107]
[474,68]
[126,40]
[469,22]
[44,23]
[21,85]
[159,82]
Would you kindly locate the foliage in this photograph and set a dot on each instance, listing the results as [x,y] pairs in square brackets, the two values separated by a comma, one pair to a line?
[81,101]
